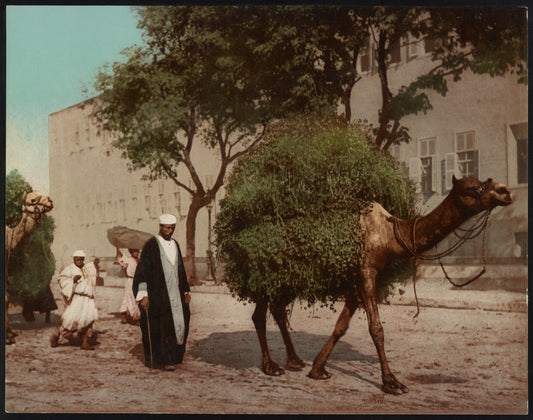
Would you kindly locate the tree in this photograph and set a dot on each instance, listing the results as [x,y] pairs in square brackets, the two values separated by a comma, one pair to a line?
[219,75]
[289,225]
[16,187]
[31,265]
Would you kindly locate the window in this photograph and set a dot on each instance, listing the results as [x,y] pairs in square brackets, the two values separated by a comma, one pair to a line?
[122,209]
[364,59]
[394,151]
[413,47]
[520,244]
[177,201]
[467,155]
[429,165]
[395,54]
[519,132]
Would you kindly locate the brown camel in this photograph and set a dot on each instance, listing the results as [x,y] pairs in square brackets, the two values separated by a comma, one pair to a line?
[468,197]
[34,206]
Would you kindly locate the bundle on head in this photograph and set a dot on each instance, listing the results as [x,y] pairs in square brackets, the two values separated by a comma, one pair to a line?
[289,226]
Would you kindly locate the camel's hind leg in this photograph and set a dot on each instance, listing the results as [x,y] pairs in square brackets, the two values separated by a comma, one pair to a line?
[318,371]
[259,318]
[280,315]
[367,290]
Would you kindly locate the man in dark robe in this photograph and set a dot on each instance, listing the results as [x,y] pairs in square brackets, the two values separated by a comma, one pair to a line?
[160,285]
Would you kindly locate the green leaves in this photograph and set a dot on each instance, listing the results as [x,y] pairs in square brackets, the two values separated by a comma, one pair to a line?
[289,225]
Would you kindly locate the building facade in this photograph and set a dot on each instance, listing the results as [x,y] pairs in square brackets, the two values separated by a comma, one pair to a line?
[480,129]
[93,190]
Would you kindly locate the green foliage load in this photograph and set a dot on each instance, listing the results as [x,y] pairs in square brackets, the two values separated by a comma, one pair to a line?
[289,225]
[16,187]
[31,264]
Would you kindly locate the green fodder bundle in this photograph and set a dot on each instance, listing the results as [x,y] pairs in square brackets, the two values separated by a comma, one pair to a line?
[289,225]
[32,264]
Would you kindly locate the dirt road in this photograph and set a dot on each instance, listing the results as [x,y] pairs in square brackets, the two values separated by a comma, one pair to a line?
[453,361]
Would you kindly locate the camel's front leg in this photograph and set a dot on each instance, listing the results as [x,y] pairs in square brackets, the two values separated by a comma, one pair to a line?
[280,315]
[318,371]
[367,291]
[259,319]
[10,334]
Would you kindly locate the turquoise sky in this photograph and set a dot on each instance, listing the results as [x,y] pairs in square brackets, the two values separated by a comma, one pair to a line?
[52,53]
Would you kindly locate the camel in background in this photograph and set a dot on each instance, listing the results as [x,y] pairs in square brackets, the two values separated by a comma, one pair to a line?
[34,206]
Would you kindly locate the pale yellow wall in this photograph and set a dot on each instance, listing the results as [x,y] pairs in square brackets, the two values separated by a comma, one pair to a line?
[89,171]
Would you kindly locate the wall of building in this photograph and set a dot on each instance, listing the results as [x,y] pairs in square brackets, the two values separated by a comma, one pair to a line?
[484,105]
[93,190]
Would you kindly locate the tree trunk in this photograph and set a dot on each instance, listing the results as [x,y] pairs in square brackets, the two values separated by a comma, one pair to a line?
[190,235]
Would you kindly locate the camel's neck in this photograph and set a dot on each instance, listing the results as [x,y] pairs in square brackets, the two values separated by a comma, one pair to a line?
[14,235]
[434,227]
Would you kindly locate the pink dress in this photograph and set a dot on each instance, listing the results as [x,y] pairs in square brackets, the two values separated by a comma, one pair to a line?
[128,301]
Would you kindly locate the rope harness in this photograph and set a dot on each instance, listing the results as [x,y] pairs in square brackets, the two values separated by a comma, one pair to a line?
[479,225]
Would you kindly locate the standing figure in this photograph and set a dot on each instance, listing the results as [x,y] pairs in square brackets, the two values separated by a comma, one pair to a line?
[129,264]
[160,285]
[77,283]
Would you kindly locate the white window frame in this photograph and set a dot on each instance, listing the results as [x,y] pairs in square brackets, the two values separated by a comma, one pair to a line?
[366,51]
[473,148]
[415,47]
[433,156]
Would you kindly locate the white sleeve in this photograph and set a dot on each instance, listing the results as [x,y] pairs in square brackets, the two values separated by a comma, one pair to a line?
[141,292]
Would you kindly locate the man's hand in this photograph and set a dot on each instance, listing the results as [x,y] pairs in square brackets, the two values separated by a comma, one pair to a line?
[187,298]
[76,278]
[144,303]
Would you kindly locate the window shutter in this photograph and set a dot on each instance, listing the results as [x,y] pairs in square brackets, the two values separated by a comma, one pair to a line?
[443,176]
[415,169]
[475,164]
[450,166]
[434,182]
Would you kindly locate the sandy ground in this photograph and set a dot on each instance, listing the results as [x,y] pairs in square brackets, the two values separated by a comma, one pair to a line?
[454,361]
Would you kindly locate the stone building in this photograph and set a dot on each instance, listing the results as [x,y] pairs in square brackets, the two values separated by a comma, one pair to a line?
[93,190]
[479,128]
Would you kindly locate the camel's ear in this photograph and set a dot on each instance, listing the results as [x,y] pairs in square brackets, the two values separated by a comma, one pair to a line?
[454,180]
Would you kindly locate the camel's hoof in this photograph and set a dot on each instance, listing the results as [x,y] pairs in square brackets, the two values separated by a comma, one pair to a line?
[272,369]
[295,365]
[88,347]
[395,388]
[319,374]
[54,341]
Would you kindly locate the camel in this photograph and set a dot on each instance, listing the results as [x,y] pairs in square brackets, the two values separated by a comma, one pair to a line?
[34,206]
[385,237]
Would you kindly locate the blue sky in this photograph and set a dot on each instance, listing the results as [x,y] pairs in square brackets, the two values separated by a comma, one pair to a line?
[52,53]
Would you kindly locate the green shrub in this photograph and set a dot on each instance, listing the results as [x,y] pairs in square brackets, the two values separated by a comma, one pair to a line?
[289,224]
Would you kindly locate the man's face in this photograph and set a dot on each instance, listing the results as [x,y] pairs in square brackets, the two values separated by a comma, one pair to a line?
[166,231]
[79,261]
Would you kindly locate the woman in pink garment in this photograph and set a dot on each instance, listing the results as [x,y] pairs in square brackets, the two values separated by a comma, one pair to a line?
[128,307]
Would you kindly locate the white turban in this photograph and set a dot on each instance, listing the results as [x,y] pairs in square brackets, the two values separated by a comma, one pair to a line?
[167,219]
[79,253]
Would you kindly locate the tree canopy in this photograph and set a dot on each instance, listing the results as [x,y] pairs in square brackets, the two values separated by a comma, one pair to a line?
[289,224]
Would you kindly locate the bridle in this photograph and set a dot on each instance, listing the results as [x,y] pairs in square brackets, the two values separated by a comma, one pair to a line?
[479,226]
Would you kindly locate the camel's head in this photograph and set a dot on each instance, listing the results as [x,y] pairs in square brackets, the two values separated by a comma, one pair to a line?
[475,196]
[36,204]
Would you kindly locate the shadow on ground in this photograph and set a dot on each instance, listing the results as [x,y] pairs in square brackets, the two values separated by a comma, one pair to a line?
[240,349]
